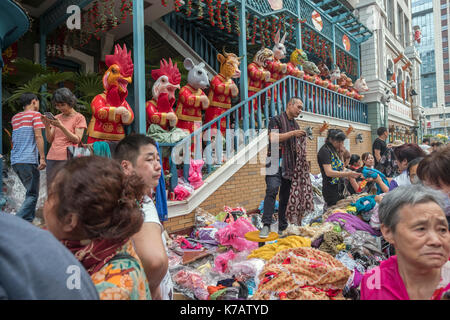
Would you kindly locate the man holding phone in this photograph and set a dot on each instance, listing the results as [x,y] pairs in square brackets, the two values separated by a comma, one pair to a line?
[27,141]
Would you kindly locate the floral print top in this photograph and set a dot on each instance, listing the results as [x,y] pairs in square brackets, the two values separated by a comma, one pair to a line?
[123,277]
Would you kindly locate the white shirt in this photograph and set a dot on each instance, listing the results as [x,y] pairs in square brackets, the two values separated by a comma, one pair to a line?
[403,179]
[151,216]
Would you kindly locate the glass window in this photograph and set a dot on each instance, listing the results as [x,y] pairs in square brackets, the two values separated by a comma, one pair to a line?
[444,17]
[444,28]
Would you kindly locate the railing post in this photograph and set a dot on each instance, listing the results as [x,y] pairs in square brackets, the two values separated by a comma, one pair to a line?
[243,54]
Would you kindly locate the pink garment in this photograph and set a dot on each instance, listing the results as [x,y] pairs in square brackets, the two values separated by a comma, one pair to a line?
[385,283]
[195,173]
[58,150]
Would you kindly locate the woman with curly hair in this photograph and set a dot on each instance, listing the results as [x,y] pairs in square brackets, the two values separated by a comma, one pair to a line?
[93,209]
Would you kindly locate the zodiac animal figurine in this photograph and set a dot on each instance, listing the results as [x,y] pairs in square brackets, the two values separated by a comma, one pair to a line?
[223,88]
[298,57]
[159,108]
[192,99]
[110,110]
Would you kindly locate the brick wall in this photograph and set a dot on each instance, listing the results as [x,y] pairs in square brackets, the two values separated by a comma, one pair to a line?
[246,188]
[311,146]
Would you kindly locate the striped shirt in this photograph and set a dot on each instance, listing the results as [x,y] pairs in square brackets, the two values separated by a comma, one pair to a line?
[23,139]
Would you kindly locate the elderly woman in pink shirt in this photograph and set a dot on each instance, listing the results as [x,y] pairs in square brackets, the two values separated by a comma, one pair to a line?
[413,221]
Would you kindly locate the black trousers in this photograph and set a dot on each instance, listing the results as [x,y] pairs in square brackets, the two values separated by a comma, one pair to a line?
[274,184]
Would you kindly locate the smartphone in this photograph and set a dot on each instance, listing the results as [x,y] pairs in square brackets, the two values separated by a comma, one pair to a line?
[49,115]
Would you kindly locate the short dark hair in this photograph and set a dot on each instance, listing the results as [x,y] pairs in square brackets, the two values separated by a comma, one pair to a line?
[381,130]
[128,148]
[354,159]
[408,151]
[336,135]
[26,98]
[435,167]
[426,140]
[437,144]
[413,162]
[64,95]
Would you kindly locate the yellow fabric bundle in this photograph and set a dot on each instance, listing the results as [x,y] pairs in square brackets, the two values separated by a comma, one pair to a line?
[269,250]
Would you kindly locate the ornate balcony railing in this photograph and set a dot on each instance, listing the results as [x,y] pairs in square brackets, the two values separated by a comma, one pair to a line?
[242,127]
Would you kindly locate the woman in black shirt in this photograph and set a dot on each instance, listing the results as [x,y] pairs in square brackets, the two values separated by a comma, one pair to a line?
[332,168]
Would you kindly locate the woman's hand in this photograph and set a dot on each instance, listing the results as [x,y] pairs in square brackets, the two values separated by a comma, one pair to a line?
[45,121]
[352,174]
[56,123]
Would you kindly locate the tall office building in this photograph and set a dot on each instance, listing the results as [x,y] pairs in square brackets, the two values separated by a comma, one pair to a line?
[432,18]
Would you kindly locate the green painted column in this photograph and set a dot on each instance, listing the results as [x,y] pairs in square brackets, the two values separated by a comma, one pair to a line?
[298,28]
[139,66]
[243,54]
[376,117]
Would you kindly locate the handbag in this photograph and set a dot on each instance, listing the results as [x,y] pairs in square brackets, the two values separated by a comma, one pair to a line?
[81,150]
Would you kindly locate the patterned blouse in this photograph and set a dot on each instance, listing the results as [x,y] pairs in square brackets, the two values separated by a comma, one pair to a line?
[123,277]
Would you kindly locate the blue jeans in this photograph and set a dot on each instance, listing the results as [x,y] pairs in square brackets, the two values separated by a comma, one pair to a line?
[29,176]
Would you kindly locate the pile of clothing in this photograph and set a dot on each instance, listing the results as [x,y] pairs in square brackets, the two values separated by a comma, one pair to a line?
[323,258]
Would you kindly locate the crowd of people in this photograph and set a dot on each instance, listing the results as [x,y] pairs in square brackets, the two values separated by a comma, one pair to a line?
[105,224]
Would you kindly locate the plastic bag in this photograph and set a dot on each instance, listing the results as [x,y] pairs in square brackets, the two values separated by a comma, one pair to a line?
[221,261]
[234,235]
[246,269]
[236,213]
[191,280]
[203,218]
[195,173]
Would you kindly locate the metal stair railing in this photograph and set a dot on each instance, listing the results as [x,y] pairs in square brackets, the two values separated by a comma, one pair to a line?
[267,103]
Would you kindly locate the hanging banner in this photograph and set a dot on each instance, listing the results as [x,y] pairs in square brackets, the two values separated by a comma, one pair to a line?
[317,20]
[346,42]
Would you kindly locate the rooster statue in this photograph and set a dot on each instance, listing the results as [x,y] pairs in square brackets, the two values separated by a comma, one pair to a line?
[160,108]
[110,111]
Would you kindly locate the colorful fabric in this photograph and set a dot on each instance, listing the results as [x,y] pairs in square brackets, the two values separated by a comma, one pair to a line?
[301,194]
[115,269]
[101,149]
[289,147]
[58,150]
[269,250]
[389,284]
[313,232]
[23,140]
[351,223]
[302,274]
[332,243]
[374,173]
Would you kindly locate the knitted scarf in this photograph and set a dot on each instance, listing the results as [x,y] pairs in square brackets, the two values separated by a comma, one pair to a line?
[288,146]
[301,194]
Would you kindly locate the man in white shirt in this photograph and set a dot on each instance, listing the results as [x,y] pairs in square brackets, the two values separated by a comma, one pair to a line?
[138,155]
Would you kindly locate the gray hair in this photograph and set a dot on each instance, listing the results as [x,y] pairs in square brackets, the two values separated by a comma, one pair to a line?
[393,201]
[64,95]
[294,99]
